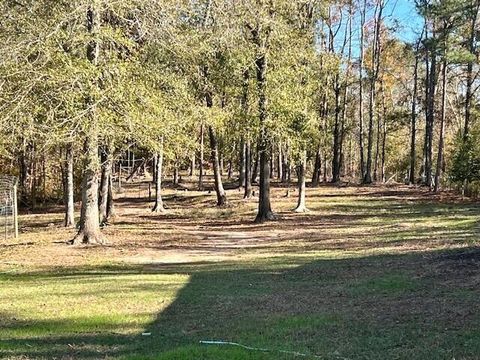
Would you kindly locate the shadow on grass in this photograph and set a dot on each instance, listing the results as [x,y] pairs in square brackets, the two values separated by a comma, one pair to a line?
[414,306]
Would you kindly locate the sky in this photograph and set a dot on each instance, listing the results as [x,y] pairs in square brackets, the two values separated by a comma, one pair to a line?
[400,14]
[405,13]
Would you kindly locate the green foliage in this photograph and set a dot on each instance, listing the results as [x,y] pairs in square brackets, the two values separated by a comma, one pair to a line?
[466,159]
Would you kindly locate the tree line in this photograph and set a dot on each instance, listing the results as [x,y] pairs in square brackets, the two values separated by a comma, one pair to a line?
[261,89]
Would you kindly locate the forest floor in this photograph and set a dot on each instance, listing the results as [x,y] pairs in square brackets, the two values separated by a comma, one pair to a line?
[369,273]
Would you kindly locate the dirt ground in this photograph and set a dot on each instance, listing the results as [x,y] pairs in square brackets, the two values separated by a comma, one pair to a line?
[342,221]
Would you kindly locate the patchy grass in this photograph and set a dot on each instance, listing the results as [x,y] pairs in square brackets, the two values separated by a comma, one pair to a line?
[369,273]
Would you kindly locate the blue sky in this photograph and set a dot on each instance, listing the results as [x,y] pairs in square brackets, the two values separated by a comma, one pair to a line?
[401,13]
[405,13]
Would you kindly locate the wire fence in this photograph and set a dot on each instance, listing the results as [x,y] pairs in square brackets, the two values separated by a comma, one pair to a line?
[8,207]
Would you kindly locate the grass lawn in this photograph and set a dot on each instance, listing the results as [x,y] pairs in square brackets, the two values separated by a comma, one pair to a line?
[368,273]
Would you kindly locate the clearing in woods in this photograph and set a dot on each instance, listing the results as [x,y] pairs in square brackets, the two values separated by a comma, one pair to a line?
[368,273]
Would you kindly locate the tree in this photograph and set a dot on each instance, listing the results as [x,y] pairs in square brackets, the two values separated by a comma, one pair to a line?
[375,63]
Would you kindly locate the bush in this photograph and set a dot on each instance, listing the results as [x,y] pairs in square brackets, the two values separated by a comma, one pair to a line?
[466,160]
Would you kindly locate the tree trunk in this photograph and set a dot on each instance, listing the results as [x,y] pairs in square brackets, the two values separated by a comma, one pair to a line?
[222,166]
[324,169]
[341,164]
[110,203]
[69,188]
[245,153]
[360,90]
[377,149]
[248,165]
[158,206]
[317,169]
[426,89]
[44,181]
[221,195]
[301,205]
[470,76]
[367,179]
[176,179]
[192,166]
[24,171]
[200,176]
[33,177]
[89,232]
[432,82]
[336,134]
[272,163]
[285,165]
[264,207]
[280,162]
[438,172]
[242,166]
[107,161]
[413,127]
[384,138]
[255,166]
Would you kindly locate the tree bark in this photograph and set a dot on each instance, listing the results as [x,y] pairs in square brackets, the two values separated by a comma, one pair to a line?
[200,176]
[222,166]
[360,90]
[336,134]
[301,204]
[264,207]
[242,165]
[33,177]
[280,162]
[470,76]
[272,163]
[158,206]
[110,202]
[107,162]
[24,171]
[367,179]
[69,188]
[429,123]
[413,126]
[192,166]
[438,172]
[255,166]
[384,138]
[285,165]
[317,169]
[176,177]
[245,154]
[324,169]
[221,195]
[377,149]
[89,232]
[248,165]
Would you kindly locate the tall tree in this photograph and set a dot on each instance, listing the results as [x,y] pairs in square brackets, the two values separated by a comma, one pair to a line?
[375,63]
[89,231]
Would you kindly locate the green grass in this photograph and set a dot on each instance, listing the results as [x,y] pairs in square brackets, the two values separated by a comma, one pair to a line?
[369,302]
[333,308]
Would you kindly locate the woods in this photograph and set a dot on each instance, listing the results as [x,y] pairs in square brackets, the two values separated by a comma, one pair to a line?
[332,92]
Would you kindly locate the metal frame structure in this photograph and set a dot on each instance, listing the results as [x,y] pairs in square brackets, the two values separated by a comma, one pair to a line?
[8,206]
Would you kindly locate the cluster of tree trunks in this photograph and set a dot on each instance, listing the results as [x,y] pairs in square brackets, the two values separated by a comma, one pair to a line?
[265,160]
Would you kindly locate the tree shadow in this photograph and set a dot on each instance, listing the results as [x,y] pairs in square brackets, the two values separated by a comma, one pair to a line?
[411,306]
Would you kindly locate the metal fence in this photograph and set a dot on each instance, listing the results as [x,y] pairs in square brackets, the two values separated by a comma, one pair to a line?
[8,207]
